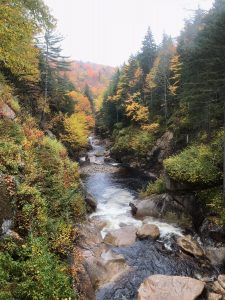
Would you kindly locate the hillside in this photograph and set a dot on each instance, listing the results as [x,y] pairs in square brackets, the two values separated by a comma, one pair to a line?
[95,75]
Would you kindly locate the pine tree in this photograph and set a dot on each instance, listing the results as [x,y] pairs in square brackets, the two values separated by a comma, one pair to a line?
[148,52]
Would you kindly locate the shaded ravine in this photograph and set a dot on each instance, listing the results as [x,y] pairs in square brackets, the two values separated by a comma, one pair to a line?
[113,192]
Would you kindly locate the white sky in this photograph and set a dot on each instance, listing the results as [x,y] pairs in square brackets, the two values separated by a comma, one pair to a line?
[109,31]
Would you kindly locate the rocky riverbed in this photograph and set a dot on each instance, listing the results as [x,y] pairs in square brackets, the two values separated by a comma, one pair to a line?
[123,247]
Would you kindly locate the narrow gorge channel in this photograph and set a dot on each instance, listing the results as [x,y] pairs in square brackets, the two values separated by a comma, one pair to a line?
[114,188]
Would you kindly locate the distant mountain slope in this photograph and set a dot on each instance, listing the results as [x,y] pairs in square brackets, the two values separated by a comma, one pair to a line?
[95,75]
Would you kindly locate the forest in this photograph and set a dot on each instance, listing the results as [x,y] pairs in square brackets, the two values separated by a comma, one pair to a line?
[172,93]
[177,86]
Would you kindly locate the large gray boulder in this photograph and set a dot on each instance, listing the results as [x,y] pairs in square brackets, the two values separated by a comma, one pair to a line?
[162,287]
[163,206]
[149,207]
[162,148]
[148,231]
[124,236]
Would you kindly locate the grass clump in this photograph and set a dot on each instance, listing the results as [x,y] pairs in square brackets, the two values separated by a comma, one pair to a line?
[154,188]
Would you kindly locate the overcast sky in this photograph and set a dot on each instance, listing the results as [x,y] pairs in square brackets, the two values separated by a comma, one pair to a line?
[109,31]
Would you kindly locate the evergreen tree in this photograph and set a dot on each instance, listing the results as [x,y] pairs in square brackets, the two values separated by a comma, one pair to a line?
[148,52]
[89,95]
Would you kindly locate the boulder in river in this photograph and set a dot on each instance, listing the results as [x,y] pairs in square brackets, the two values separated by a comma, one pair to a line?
[165,207]
[217,288]
[221,280]
[146,207]
[162,287]
[214,296]
[216,255]
[190,246]
[91,202]
[148,230]
[124,236]
[106,268]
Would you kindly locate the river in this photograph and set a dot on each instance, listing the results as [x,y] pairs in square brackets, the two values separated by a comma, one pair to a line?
[114,189]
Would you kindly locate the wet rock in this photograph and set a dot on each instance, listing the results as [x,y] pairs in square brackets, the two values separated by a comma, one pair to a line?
[105,269]
[96,270]
[221,280]
[124,236]
[148,230]
[91,202]
[216,255]
[90,236]
[217,288]
[211,230]
[93,169]
[82,280]
[148,257]
[189,245]
[214,296]
[161,287]
[98,223]
[146,207]
[163,206]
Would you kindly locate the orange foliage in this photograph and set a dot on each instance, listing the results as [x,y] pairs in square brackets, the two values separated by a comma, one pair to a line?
[95,75]
[82,102]
[83,107]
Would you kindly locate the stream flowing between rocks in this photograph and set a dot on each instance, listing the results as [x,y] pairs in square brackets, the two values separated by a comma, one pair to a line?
[114,188]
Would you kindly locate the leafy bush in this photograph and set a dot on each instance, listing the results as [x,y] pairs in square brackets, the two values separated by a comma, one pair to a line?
[62,236]
[32,210]
[10,157]
[132,141]
[30,271]
[213,200]
[196,164]
[157,187]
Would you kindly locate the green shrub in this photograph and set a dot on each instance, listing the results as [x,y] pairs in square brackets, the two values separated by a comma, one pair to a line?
[10,130]
[213,200]
[31,272]
[62,235]
[132,141]
[196,164]
[10,157]
[31,210]
[157,187]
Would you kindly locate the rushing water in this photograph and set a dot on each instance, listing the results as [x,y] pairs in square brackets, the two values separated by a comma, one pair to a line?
[113,192]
